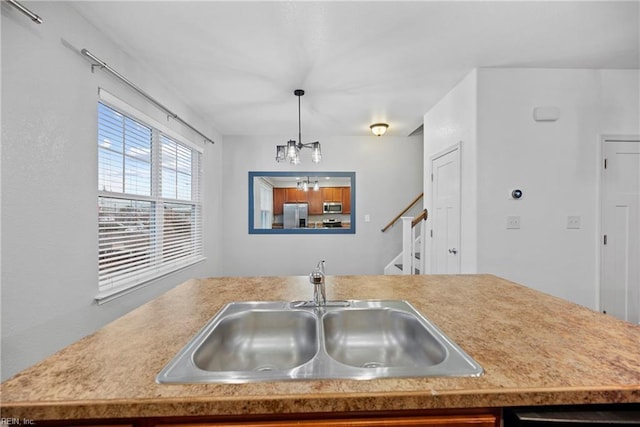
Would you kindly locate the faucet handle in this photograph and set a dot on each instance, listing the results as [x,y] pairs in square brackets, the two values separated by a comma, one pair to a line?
[316,276]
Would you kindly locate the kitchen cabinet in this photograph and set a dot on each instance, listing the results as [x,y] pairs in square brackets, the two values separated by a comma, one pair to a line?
[315,202]
[75,423]
[331,194]
[410,418]
[346,200]
[446,421]
[314,198]
[278,200]
[482,420]
[293,195]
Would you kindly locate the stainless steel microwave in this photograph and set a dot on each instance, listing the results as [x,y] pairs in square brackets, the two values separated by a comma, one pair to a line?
[332,207]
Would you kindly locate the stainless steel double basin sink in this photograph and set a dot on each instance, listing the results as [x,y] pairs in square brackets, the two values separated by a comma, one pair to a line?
[269,341]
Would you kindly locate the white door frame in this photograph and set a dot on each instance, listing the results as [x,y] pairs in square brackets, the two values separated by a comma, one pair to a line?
[600,209]
[444,152]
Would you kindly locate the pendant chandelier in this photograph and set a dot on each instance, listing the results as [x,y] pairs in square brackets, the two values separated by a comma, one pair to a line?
[291,151]
[307,184]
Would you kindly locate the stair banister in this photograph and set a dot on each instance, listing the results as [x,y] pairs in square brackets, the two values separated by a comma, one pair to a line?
[397,217]
[414,236]
[421,216]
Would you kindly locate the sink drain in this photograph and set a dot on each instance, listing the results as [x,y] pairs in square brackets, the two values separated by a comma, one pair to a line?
[373,365]
[265,368]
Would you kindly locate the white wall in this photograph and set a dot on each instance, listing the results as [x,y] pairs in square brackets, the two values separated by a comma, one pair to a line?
[450,121]
[556,164]
[49,181]
[620,102]
[388,176]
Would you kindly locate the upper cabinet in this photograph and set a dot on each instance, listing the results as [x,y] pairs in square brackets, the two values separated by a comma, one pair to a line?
[294,195]
[331,194]
[315,202]
[315,199]
[279,196]
[346,200]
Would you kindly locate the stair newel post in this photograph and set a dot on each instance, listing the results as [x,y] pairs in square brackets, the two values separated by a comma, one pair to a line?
[407,245]
[423,246]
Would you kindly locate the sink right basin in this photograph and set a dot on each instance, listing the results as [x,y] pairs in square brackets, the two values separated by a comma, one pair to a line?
[380,338]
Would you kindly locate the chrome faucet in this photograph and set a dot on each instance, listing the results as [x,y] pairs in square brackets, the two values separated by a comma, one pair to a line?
[317,280]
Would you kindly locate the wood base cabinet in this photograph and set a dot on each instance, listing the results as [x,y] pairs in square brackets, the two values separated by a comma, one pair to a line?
[444,421]
[448,418]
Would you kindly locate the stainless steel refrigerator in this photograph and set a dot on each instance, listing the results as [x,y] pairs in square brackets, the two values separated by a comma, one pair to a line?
[295,215]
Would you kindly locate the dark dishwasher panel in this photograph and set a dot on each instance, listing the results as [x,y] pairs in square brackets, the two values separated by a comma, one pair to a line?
[574,416]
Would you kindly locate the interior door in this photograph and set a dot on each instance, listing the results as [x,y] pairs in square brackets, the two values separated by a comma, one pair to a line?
[445,242]
[620,281]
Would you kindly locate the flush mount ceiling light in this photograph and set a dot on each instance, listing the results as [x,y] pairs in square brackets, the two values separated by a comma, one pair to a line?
[291,151]
[378,129]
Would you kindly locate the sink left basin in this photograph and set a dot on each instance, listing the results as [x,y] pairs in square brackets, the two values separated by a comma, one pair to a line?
[259,340]
[247,341]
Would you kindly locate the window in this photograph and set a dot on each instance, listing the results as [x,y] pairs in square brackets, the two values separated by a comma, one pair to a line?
[266,206]
[149,209]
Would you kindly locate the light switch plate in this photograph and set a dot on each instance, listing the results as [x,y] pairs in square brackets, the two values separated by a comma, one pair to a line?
[573,222]
[513,222]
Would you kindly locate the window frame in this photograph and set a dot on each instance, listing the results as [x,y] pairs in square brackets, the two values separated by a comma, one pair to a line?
[190,250]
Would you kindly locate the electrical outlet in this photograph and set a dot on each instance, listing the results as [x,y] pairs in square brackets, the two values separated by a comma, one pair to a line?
[513,222]
[573,222]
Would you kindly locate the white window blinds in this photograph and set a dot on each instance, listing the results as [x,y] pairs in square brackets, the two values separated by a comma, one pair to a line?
[149,207]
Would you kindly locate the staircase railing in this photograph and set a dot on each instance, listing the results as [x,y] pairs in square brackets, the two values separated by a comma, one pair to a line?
[413,246]
[397,217]
[422,216]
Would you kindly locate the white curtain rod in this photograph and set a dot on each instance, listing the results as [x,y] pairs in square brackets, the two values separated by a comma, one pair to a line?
[35,18]
[100,63]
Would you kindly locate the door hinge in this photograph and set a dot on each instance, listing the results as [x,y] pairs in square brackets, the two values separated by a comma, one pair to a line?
[604,240]
[431,177]
[605,163]
[431,232]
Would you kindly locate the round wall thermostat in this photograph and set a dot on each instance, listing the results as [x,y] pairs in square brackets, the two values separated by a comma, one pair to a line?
[516,194]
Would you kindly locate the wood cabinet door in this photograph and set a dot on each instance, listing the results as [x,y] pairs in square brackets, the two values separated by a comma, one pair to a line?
[315,202]
[337,194]
[278,200]
[293,195]
[290,195]
[346,200]
[331,194]
[327,194]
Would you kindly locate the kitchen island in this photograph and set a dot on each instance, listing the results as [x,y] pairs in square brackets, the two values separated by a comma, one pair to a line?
[535,350]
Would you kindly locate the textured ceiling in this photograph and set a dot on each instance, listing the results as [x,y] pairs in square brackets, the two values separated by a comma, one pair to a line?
[237,63]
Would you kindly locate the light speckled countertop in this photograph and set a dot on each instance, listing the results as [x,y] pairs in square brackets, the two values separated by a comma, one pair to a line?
[535,349]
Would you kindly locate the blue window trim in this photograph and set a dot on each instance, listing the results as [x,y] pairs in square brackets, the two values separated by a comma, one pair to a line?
[351,230]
